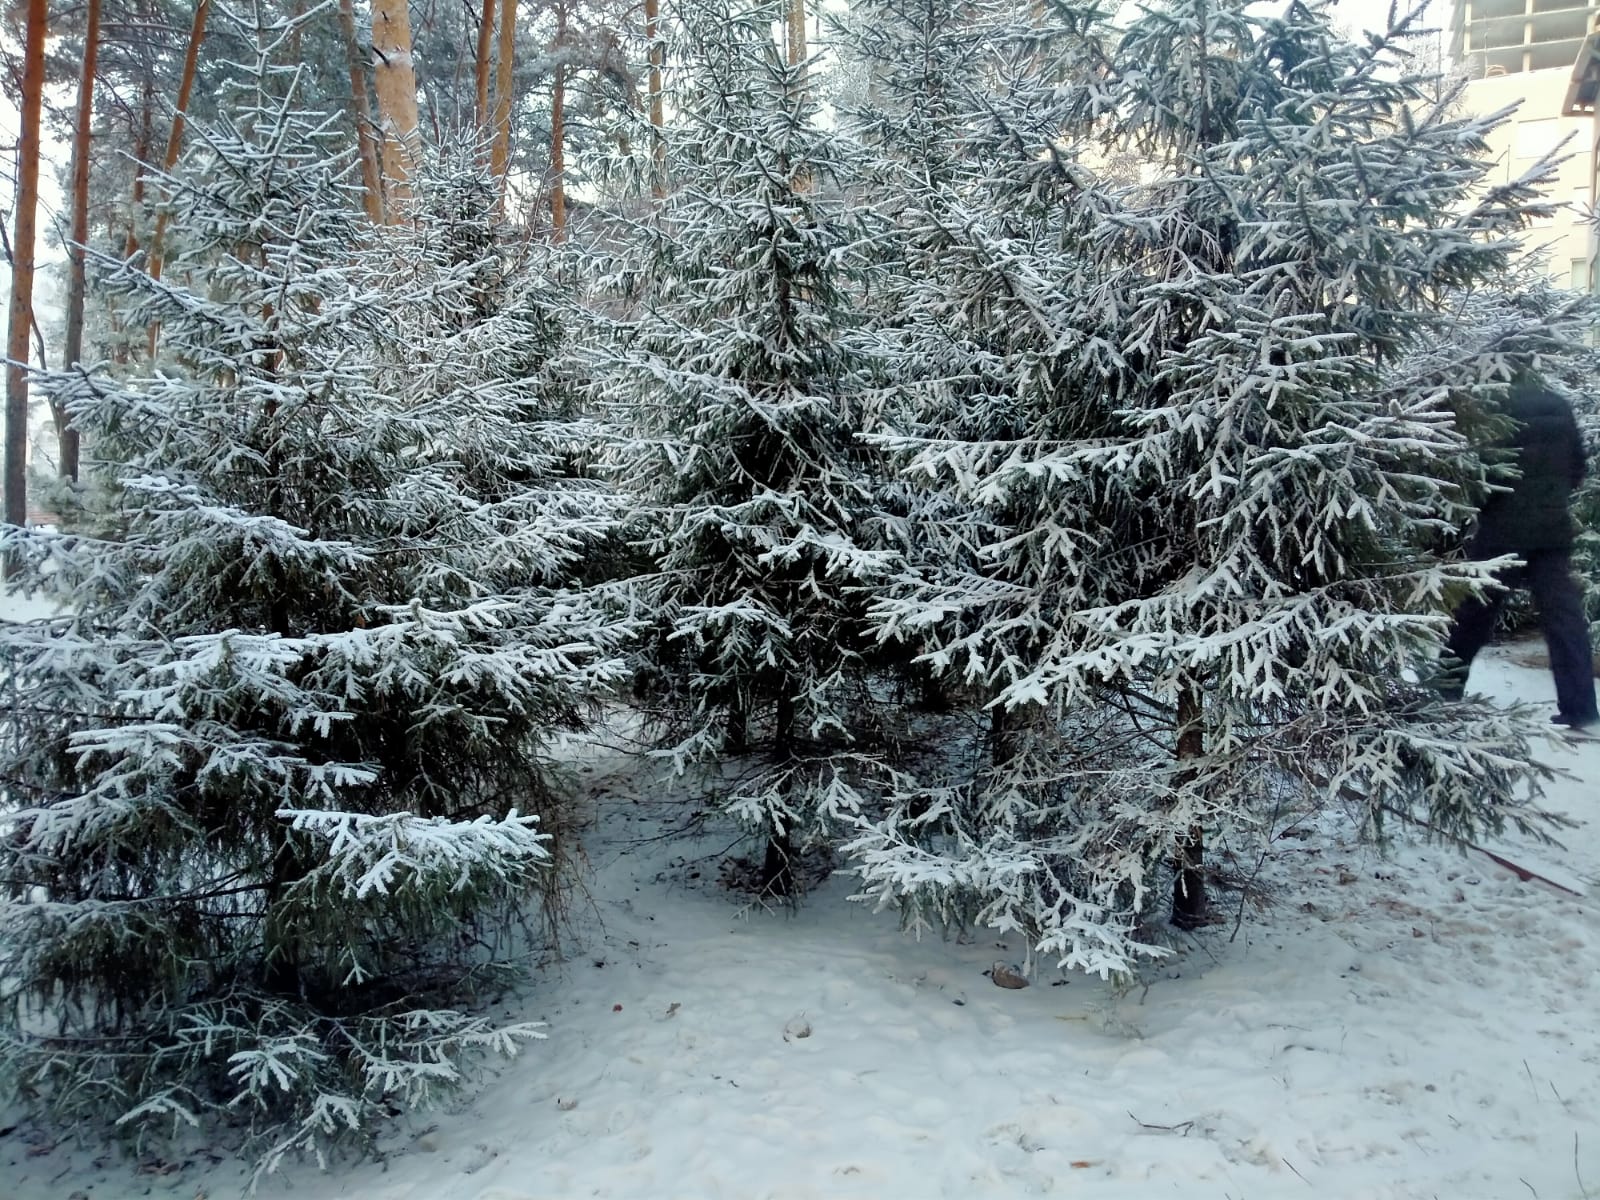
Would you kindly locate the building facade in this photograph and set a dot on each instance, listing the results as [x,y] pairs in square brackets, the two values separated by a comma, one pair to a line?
[1582,102]
[1522,53]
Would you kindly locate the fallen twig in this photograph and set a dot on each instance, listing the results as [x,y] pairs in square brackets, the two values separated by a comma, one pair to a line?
[1181,1128]
[1524,873]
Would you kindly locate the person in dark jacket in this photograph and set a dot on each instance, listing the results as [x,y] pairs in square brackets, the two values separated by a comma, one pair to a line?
[1533,520]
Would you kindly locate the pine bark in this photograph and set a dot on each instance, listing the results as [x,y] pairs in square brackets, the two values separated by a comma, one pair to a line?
[500,153]
[141,157]
[82,132]
[22,253]
[658,144]
[191,60]
[558,156]
[484,64]
[395,80]
[797,32]
[361,114]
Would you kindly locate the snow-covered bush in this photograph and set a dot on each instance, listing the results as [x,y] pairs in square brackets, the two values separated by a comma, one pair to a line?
[277,789]
[1219,508]
[738,387]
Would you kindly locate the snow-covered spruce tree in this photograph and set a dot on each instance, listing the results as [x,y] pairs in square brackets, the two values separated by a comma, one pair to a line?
[277,788]
[1246,529]
[739,382]
[981,373]
[947,305]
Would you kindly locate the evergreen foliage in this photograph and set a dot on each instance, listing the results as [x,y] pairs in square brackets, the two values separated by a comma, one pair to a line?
[1121,392]
[278,788]
[1219,499]
[740,387]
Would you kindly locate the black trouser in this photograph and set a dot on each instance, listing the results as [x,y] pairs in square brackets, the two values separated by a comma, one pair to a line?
[1548,576]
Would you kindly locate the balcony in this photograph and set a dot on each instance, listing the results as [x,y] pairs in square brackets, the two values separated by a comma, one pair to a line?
[1583,91]
[1489,10]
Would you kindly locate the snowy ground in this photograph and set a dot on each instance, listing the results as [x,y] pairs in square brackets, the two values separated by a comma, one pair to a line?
[1417,1025]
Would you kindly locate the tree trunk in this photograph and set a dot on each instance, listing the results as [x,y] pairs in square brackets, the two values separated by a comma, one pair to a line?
[1002,741]
[485,48]
[797,56]
[558,156]
[361,114]
[395,80]
[191,59]
[1189,908]
[777,863]
[658,143]
[797,32]
[66,436]
[737,726]
[500,153]
[22,239]
[777,866]
[141,156]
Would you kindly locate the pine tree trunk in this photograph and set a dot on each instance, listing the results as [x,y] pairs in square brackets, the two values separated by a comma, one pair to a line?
[141,156]
[736,726]
[558,156]
[797,32]
[395,80]
[361,114]
[1002,744]
[658,144]
[777,863]
[483,62]
[191,60]
[1189,908]
[500,152]
[120,349]
[66,436]
[22,240]
[777,866]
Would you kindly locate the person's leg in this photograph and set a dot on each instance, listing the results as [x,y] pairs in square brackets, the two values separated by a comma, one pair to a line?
[1566,634]
[1472,628]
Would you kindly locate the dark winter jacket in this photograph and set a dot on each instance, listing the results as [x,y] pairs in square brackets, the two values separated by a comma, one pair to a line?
[1548,453]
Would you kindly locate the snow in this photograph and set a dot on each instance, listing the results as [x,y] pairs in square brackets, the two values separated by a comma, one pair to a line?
[1382,1026]
[14,606]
